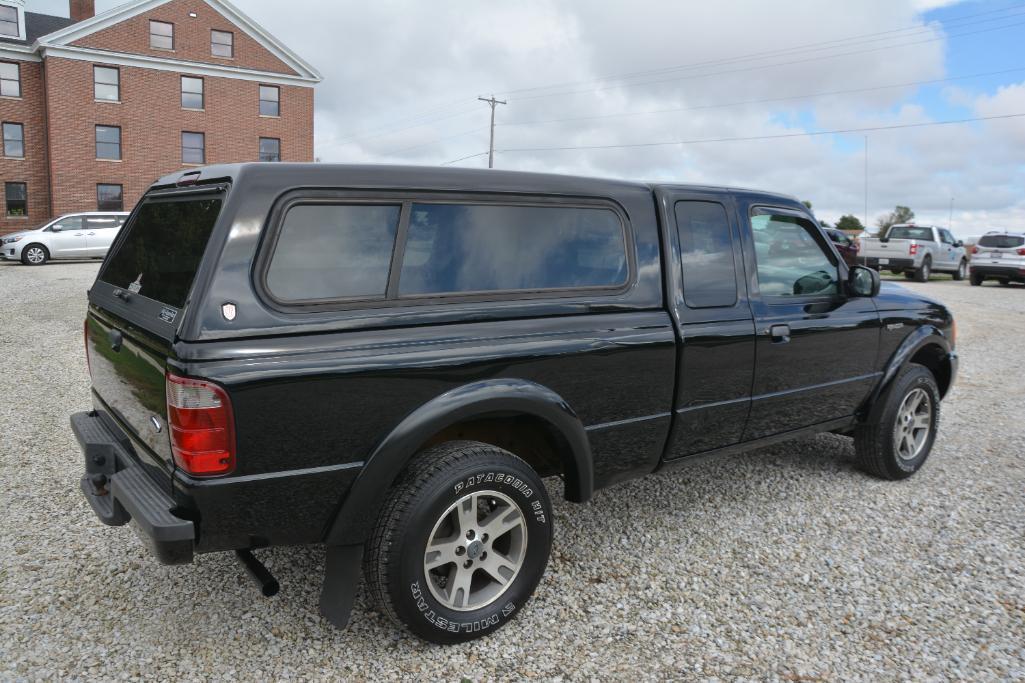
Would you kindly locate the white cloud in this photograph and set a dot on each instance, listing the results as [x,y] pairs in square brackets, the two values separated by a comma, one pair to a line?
[402,77]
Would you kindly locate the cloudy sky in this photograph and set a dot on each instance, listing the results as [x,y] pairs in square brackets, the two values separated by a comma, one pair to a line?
[401,80]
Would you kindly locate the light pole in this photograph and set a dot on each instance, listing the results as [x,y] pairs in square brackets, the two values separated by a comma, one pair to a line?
[950,218]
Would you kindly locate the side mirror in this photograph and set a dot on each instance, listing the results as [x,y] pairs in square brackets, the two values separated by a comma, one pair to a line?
[863,281]
[56,228]
[959,244]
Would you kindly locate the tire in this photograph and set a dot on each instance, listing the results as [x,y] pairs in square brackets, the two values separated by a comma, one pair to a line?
[896,271]
[962,270]
[1004,282]
[976,279]
[924,271]
[35,255]
[425,505]
[880,443]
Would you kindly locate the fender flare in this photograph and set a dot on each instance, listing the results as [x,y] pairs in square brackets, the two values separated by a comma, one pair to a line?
[359,510]
[924,335]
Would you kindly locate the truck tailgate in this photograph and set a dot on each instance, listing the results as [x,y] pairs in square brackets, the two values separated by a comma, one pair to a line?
[127,366]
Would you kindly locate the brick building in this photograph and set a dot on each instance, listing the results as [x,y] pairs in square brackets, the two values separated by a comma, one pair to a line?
[95,107]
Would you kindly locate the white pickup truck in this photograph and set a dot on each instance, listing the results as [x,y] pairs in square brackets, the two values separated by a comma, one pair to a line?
[916,251]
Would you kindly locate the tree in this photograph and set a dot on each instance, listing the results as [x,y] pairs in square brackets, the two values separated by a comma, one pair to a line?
[806,203]
[849,223]
[900,214]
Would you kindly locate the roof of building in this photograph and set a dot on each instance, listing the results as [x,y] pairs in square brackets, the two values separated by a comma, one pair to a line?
[38,25]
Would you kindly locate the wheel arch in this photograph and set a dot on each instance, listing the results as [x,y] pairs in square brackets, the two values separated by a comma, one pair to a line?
[928,345]
[472,411]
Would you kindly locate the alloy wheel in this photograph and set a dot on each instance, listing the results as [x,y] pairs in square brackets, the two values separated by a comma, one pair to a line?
[914,423]
[476,550]
[35,255]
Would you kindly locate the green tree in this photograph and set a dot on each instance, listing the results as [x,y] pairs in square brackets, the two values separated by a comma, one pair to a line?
[849,223]
[900,214]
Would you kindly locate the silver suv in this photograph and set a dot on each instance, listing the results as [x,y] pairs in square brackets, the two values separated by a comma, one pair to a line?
[75,235]
[999,256]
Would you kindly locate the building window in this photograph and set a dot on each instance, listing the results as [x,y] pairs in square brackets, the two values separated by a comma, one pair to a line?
[110,197]
[192,93]
[107,83]
[270,100]
[10,80]
[14,140]
[193,148]
[270,149]
[16,198]
[222,43]
[161,35]
[8,21]
[108,142]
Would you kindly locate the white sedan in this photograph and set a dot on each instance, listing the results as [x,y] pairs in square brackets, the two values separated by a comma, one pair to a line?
[74,235]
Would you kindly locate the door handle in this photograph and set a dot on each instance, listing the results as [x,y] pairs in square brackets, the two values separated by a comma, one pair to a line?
[78,234]
[780,334]
[90,234]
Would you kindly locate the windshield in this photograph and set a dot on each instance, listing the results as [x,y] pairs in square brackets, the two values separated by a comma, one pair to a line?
[160,254]
[903,232]
[1002,241]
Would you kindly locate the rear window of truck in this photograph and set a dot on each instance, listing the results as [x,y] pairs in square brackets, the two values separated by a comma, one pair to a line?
[162,249]
[900,233]
[1001,241]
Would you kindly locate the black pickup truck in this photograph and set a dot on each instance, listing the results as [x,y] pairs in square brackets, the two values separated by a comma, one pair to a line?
[387,361]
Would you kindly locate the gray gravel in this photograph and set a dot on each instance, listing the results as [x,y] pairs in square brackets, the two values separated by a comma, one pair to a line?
[784,564]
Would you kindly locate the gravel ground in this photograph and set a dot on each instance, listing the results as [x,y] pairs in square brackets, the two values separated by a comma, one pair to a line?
[783,564]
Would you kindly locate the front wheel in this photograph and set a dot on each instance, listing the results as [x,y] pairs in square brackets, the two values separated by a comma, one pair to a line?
[461,543]
[899,434]
[35,255]
[976,279]
[962,270]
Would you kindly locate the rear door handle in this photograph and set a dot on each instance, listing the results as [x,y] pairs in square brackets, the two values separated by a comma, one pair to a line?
[780,334]
[90,234]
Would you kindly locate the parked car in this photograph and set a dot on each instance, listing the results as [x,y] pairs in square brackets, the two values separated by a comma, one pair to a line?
[1000,256]
[845,244]
[387,361]
[72,236]
[916,251]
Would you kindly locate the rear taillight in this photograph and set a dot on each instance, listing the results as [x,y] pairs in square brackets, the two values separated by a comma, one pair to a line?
[1021,252]
[202,426]
[975,250]
[913,249]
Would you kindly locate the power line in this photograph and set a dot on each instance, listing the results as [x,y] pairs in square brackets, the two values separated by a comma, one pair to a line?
[759,137]
[469,156]
[763,67]
[874,36]
[434,142]
[763,101]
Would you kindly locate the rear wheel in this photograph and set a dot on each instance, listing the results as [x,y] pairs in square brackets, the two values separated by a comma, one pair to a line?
[35,255]
[962,270]
[976,279]
[924,271]
[1004,282]
[461,543]
[899,435]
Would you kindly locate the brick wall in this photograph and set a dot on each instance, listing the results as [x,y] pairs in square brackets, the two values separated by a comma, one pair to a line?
[28,110]
[152,120]
[191,37]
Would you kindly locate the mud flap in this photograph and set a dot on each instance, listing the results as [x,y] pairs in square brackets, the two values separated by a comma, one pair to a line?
[341,578]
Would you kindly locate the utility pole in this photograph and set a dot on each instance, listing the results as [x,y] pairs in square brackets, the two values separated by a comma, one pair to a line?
[866,184]
[950,218]
[491,148]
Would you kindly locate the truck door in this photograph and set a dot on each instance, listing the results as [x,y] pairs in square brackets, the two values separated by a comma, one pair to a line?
[816,348]
[710,308]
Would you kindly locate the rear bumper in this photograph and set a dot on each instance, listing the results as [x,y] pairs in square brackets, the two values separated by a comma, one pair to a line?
[119,491]
[1013,272]
[891,263]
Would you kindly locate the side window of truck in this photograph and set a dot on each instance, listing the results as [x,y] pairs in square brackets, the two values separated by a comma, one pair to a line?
[706,254]
[791,262]
[333,251]
[467,248]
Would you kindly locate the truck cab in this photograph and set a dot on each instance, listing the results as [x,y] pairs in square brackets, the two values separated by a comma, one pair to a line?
[387,361]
